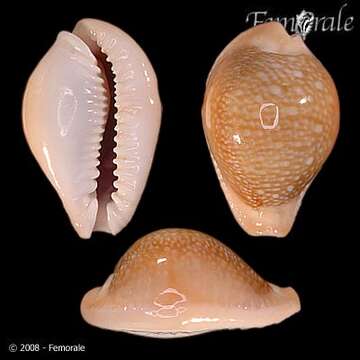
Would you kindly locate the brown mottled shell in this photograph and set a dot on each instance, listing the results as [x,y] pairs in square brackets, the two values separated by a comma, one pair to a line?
[271,117]
[180,282]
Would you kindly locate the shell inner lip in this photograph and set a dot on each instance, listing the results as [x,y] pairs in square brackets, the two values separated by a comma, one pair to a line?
[106,179]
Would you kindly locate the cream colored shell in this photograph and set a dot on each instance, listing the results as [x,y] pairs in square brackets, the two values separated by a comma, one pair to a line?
[65,111]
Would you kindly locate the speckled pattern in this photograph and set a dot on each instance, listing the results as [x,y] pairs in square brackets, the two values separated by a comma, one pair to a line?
[180,282]
[197,265]
[271,122]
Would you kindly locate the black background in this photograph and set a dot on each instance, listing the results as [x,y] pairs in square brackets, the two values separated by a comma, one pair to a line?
[48,268]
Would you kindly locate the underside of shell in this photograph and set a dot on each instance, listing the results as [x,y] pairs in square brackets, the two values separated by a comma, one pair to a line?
[91,116]
[271,118]
[180,282]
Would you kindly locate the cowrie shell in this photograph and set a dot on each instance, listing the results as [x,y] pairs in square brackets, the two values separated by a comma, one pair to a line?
[271,118]
[91,116]
[181,282]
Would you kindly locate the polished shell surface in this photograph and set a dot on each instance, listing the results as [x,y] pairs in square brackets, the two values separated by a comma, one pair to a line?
[65,112]
[180,282]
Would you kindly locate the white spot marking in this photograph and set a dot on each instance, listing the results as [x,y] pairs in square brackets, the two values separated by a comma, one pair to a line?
[319,85]
[309,160]
[275,89]
[275,65]
[299,91]
[298,73]
[262,76]
[291,111]
[318,128]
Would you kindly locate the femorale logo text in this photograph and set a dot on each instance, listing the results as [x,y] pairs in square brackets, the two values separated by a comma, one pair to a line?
[306,21]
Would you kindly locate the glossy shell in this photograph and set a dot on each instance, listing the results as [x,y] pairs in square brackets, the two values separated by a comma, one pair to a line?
[271,118]
[180,282]
[65,110]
